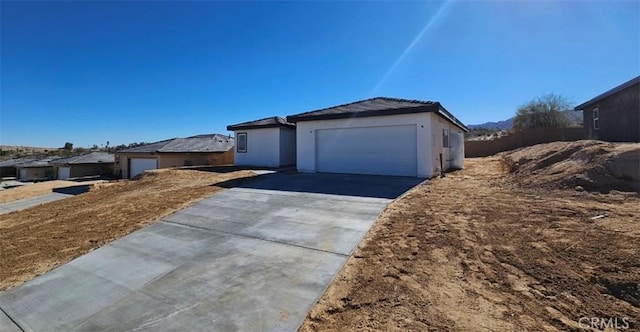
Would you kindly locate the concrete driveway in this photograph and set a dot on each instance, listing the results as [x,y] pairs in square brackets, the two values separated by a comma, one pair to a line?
[57,194]
[253,258]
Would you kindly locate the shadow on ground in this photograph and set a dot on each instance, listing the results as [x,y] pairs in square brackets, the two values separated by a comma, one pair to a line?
[376,186]
[72,190]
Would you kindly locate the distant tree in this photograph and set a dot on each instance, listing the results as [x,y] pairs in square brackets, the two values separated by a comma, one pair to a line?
[94,147]
[68,146]
[542,112]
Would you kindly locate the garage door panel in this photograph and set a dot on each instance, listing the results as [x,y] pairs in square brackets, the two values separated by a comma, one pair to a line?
[389,150]
[64,173]
[139,165]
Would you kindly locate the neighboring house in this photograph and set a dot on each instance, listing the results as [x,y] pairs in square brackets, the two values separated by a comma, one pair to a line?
[212,149]
[614,115]
[36,170]
[9,167]
[269,142]
[91,164]
[378,136]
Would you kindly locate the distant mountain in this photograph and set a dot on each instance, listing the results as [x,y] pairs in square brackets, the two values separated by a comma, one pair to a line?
[574,117]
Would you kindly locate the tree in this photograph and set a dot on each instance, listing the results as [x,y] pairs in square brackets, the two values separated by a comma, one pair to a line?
[68,146]
[545,111]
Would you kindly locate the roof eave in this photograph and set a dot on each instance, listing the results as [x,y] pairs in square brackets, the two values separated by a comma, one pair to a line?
[364,114]
[241,127]
[608,93]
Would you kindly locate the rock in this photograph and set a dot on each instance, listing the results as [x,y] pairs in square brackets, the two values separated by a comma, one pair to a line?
[579,188]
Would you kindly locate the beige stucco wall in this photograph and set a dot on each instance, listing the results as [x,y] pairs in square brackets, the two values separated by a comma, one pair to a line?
[166,160]
[91,169]
[37,173]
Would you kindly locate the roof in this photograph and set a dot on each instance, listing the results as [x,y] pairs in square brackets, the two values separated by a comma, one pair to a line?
[89,158]
[271,122]
[379,106]
[16,161]
[608,93]
[200,143]
[43,162]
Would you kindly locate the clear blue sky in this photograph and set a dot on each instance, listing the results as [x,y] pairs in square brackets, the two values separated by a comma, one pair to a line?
[91,72]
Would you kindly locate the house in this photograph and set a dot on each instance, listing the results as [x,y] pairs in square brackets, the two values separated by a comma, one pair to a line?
[614,115]
[378,136]
[210,149]
[91,164]
[9,167]
[269,142]
[36,170]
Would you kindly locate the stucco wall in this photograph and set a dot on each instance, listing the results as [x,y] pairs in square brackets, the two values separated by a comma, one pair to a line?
[37,173]
[306,137]
[619,117]
[438,124]
[287,146]
[90,169]
[166,160]
[263,148]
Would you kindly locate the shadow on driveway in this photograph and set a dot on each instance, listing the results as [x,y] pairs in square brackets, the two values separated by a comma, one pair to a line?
[72,190]
[376,186]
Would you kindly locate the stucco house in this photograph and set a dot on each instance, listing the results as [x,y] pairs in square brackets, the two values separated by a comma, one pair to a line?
[268,142]
[36,170]
[614,115]
[90,164]
[9,167]
[378,136]
[209,149]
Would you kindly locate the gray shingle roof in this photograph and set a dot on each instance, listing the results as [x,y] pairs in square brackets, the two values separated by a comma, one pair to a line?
[44,162]
[379,106]
[90,158]
[16,161]
[199,143]
[271,122]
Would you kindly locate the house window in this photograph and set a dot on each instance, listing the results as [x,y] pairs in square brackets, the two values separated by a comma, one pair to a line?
[445,138]
[596,118]
[241,141]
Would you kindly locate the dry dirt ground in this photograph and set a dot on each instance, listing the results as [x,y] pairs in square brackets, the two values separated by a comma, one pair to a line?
[40,188]
[36,240]
[477,251]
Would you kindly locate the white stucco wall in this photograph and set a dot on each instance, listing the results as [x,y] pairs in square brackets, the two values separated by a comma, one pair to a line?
[437,125]
[263,148]
[306,137]
[287,146]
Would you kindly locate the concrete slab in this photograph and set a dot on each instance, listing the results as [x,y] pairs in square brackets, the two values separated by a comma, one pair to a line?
[253,258]
[6,325]
[22,204]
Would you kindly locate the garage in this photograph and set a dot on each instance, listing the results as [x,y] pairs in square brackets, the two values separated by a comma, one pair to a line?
[139,165]
[64,173]
[383,150]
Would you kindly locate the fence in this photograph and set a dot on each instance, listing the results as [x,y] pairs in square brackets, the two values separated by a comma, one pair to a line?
[521,139]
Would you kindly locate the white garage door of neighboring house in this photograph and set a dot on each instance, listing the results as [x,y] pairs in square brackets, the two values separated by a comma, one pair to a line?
[389,150]
[139,165]
[64,173]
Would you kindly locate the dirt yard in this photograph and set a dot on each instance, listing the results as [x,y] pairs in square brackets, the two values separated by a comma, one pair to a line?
[36,240]
[476,251]
[40,188]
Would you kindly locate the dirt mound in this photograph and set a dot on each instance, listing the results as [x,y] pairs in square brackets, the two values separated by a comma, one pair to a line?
[592,165]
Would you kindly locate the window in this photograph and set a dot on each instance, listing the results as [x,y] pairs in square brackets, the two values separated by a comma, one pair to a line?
[241,141]
[445,138]
[596,118]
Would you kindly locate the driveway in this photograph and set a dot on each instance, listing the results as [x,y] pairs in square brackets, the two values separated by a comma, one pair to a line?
[57,194]
[254,257]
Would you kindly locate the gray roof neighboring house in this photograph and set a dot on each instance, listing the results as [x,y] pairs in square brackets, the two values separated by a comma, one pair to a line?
[16,161]
[209,143]
[608,93]
[271,122]
[379,106]
[89,158]
[43,162]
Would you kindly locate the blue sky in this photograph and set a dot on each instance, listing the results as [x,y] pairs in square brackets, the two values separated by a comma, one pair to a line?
[92,72]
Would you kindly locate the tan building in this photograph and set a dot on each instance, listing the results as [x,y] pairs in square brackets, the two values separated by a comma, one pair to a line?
[36,170]
[212,149]
[90,164]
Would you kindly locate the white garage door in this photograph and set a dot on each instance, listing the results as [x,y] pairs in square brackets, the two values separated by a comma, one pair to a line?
[139,165]
[23,174]
[389,150]
[64,173]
